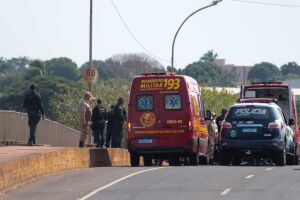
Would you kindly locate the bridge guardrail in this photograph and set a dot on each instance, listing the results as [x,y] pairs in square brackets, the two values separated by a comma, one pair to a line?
[14,127]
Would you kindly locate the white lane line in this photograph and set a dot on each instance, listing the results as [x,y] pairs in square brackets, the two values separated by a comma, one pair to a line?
[250,176]
[117,181]
[226,191]
[268,169]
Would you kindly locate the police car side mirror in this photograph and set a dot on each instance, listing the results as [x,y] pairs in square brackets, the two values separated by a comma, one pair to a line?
[291,122]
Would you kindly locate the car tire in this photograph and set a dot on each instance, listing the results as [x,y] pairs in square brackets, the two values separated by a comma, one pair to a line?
[280,157]
[236,160]
[134,160]
[290,158]
[225,157]
[147,160]
[194,158]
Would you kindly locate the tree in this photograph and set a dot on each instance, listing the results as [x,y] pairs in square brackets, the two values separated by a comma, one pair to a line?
[290,68]
[216,100]
[38,64]
[63,67]
[208,74]
[209,56]
[105,72]
[265,72]
[130,65]
[31,73]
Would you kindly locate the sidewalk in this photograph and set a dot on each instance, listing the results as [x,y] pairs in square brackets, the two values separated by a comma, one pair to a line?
[14,153]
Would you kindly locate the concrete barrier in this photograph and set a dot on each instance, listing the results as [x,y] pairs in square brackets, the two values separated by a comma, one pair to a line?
[17,170]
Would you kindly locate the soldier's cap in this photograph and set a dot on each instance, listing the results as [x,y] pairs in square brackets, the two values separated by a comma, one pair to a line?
[213,114]
[32,86]
[89,94]
[224,111]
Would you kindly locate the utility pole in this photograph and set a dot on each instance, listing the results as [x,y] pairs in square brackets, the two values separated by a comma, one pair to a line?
[91,41]
[214,3]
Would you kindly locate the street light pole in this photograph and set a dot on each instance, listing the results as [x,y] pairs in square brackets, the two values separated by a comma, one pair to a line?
[91,41]
[214,3]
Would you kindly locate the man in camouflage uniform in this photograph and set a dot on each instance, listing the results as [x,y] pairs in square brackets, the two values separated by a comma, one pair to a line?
[212,132]
[84,116]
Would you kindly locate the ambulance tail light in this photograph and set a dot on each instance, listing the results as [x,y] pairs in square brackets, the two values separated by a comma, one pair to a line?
[274,125]
[226,125]
[190,126]
[129,131]
[129,126]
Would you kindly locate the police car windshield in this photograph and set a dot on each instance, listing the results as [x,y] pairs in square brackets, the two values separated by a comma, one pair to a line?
[250,112]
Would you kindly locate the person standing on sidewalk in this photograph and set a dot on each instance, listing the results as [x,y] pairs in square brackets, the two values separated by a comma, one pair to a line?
[212,132]
[84,116]
[119,120]
[109,126]
[99,117]
[33,105]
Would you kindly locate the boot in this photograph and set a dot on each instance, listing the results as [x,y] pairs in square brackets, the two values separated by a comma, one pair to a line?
[81,144]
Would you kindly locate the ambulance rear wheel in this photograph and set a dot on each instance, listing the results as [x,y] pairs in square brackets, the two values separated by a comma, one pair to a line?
[148,160]
[134,160]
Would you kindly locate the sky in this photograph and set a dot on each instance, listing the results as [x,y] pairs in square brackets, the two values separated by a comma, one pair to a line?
[242,33]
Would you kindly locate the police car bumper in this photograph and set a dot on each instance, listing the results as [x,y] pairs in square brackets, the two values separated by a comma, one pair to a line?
[253,145]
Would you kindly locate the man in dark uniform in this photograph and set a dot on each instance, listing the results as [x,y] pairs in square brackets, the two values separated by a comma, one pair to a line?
[220,118]
[98,123]
[219,121]
[33,105]
[119,120]
[110,126]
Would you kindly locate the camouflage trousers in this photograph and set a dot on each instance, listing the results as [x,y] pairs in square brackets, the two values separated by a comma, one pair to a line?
[210,148]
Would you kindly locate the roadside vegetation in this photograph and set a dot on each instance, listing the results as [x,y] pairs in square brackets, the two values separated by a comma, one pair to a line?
[61,85]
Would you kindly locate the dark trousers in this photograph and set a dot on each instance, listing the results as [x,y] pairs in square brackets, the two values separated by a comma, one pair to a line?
[117,136]
[109,134]
[99,137]
[33,120]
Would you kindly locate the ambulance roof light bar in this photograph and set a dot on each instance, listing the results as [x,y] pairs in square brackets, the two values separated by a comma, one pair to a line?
[159,73]
[258,100]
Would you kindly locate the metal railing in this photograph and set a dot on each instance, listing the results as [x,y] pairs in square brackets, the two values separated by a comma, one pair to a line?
[14,128]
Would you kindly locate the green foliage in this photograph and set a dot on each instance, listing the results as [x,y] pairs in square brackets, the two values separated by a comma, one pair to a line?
[62,67]
[290,70]
[209,56]
[64,105]
[105,72]
[38,64]
[265,72]
[298,109]
[208,74]
[215,100]
[47,87]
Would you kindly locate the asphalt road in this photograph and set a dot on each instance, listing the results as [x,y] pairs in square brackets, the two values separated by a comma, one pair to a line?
[203,182]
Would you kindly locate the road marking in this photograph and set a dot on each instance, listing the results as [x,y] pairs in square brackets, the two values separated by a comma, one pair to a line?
[225,192]
[117,181]
[268,169]
[248,177]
